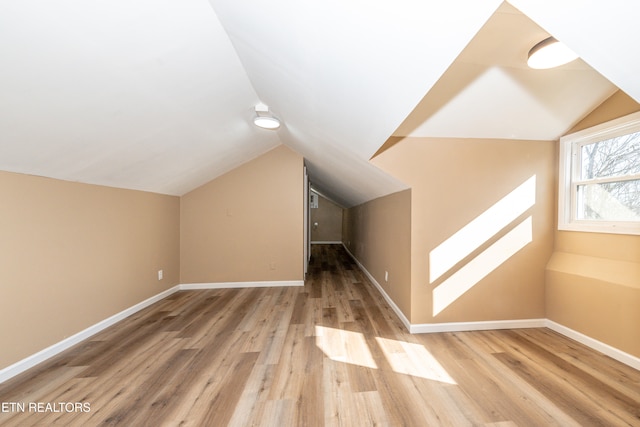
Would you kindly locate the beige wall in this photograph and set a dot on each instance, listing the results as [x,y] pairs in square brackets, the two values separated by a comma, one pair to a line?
[328,217]
[378,234]
[247,224]
[75,254]
[593,279]
[454,181]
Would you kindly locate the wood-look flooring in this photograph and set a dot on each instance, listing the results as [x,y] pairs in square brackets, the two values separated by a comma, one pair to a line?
[327,354]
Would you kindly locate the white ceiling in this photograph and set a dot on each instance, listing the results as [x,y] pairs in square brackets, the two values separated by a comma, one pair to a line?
[140,94]
[158,95]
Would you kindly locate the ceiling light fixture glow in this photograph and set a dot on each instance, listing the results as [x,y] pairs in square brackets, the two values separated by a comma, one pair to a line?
[264,119]
[550,53]
[266,122]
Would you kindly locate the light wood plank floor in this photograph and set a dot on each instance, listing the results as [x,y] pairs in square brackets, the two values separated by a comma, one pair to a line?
[331,353]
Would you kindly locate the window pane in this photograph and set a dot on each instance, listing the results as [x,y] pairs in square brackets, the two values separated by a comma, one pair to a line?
[613,157]
[612,201]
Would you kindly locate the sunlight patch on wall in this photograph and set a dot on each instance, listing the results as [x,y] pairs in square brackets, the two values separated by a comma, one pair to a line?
[482,228]
[414,359]
[478,268]
[344,346]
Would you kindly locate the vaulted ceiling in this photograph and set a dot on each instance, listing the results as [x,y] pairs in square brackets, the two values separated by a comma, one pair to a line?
[159,95]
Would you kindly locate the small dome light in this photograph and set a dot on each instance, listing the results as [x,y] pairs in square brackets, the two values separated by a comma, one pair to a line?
[266,122]
[264,119]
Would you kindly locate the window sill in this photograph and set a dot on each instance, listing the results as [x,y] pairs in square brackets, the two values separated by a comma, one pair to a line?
[601,227]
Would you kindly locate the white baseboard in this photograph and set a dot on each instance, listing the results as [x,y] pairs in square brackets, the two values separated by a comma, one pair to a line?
[387,298]
[606,349]
[452,326]
[325,242]
[41,356]
[236,285]
[428,328]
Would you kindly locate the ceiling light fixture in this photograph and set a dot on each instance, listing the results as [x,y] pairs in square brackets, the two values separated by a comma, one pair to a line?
[264,119]
[550,53]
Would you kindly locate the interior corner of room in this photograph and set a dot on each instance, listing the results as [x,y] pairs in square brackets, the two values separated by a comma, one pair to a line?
[446,195]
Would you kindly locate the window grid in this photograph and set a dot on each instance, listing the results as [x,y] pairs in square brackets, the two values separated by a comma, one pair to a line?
[571,213]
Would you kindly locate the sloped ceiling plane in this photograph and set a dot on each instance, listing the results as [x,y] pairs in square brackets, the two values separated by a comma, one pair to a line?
[160,95]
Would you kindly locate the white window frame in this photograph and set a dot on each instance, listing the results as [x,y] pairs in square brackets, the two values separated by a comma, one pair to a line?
[569,176]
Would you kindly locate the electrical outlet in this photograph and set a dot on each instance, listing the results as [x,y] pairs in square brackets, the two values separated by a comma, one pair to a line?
[272,265]
[160,274]
[386,276]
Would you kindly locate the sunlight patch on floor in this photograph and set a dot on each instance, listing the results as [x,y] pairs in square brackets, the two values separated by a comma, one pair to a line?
[344,346]
[414,359]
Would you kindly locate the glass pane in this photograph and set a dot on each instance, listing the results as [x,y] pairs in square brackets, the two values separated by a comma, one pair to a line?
[612,201]
[617,156]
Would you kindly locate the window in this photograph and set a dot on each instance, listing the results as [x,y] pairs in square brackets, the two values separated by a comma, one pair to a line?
[600,178]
